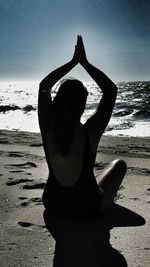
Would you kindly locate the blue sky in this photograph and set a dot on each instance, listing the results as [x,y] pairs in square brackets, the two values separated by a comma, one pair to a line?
[37,36]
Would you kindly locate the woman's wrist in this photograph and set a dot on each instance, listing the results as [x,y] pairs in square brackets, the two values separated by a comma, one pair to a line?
[74,62]
[84,62]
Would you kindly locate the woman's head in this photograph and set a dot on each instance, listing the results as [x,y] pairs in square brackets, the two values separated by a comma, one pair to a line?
[68,106]
[70,99]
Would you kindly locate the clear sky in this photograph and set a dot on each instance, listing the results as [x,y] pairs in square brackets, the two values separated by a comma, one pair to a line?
[37,36]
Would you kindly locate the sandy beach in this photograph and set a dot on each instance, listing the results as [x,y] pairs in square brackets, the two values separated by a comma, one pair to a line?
[24,240]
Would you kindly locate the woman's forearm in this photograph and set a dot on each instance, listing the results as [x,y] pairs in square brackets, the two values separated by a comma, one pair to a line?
[57,74]
[106,85]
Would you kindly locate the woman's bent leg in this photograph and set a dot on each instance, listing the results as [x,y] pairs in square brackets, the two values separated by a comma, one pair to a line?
[109,181]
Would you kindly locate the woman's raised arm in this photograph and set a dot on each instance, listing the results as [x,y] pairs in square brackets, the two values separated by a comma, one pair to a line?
[44,99]
[97,123]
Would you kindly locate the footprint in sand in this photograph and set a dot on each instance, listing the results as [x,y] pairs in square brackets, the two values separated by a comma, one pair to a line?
[3,141]
[34,185]
[33,227]
[25,224]
[18,181]
[146,171]
[17,171]
[146,248]
[22,198]
[22,165]
[21,171]
[36,145]
[15,154]
[36,200]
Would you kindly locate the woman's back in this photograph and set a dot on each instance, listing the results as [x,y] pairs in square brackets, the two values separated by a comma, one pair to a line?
[71,189]
[67,168]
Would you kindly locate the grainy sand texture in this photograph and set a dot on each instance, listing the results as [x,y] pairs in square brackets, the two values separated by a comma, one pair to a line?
[24,239]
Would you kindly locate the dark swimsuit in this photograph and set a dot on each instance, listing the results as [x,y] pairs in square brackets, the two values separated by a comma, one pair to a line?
[80,201]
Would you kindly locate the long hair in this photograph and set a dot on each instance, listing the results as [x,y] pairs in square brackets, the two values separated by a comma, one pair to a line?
[71,98]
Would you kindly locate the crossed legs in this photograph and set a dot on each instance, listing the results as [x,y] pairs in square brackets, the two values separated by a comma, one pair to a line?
[109,181]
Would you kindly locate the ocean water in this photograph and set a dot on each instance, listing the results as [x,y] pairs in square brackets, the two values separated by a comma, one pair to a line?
[131,115]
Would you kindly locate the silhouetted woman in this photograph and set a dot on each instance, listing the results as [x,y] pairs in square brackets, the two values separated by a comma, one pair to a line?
[72,190]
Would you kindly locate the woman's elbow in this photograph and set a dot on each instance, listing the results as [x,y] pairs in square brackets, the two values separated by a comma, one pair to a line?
[41,84]
[114,90]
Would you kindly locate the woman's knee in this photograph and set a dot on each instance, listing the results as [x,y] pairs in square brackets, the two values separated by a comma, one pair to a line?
[120,165]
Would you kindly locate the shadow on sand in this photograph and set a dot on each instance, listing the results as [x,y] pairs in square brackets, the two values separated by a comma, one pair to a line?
[86,243]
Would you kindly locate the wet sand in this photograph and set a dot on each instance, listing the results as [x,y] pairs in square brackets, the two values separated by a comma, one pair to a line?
[24,240]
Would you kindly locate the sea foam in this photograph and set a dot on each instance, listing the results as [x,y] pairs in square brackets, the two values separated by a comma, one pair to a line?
[131,114]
